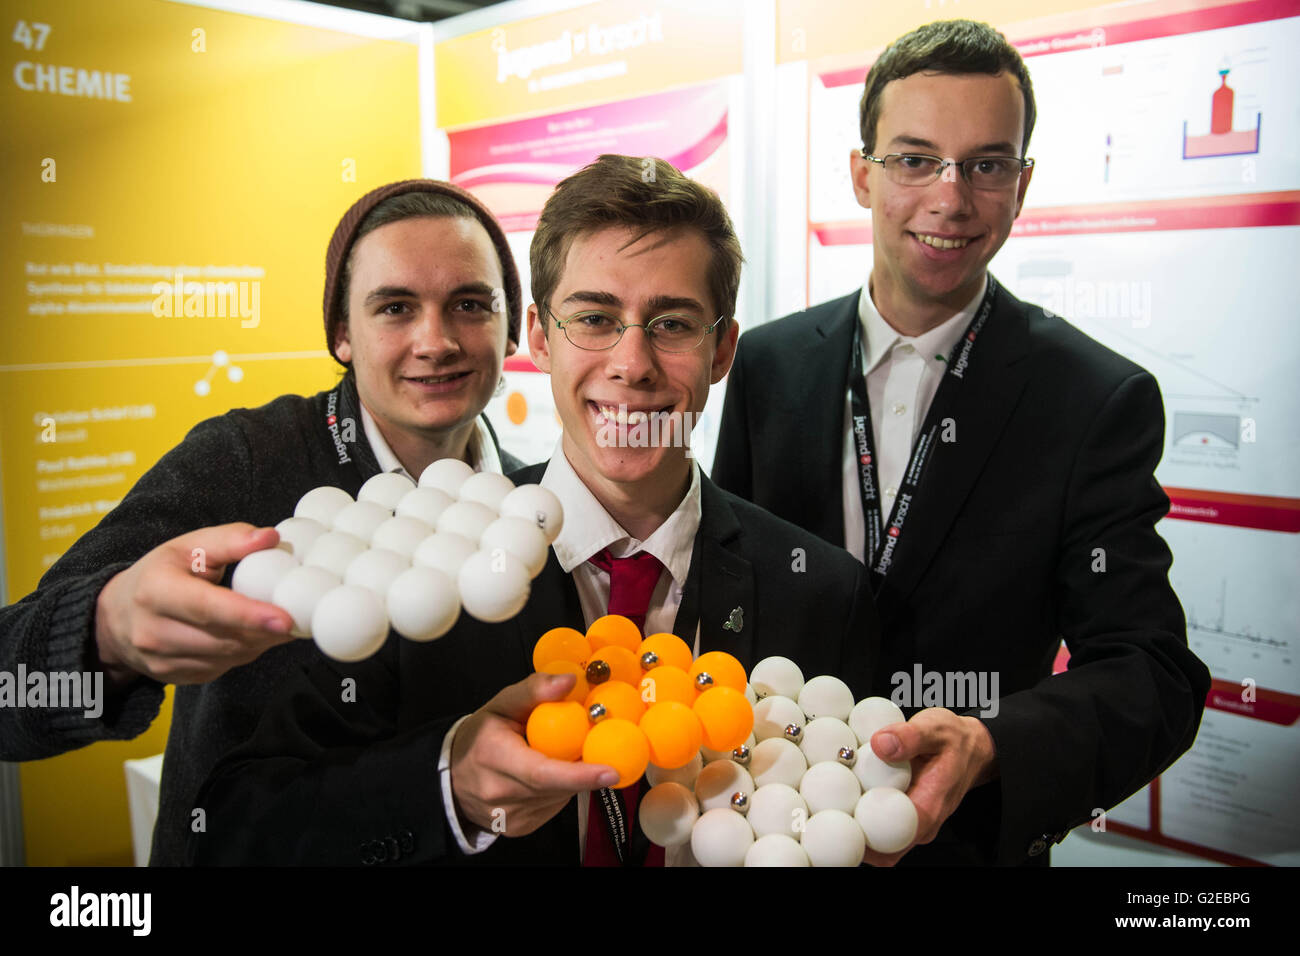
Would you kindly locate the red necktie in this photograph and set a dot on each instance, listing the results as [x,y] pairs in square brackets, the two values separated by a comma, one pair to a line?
[632,581]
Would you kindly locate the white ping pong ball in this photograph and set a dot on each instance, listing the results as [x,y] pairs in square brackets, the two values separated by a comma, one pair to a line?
[775,849]
[773,714]
[361,519]
[521,538]
[469,519]
[447,475]
[486,488]
[823,739]
[721,837]
[349,623]
[833,838]
[375,569]
[385,489]
[871,771]
[402,535]
[718,781]
[830,786]
[444,552]
[423,604]
[298,534]
[424,504]
[684,775]
[668,813]
[775,808]
[258,573]
[776,675]
[751,696]
[322,504]
[826,696]
[300,591]
[334,551]
[887,819]
[538,505]
[776,760]
[871,714]
[493,585]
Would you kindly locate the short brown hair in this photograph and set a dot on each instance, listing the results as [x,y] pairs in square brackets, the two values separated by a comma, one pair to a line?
[646,195]
[946,46]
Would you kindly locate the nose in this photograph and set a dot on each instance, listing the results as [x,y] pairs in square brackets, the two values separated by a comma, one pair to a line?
[434,336]
[950,194]
[633,359]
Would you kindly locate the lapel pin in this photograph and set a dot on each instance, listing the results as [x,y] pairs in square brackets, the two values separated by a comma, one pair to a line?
[736,621]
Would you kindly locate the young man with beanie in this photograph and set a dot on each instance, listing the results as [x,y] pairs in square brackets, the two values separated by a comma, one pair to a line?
[634,285]
[422,306]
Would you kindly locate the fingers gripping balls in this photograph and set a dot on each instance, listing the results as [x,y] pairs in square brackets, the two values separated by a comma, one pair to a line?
[405,556]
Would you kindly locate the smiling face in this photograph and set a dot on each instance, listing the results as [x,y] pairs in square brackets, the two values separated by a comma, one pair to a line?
[425,345]
[634,281]
[932,244]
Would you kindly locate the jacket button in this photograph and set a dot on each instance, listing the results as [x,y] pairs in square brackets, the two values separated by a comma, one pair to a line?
[1037,847]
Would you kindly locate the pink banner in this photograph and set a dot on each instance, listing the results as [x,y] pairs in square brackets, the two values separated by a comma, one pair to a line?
[1243,511]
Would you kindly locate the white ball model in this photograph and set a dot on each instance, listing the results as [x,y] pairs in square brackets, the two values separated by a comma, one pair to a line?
[298,534]
[423,604]
[887,819]
[447,475]
[668,813]
[721,837]
[386,489]
[871,714]
[824,738]
[719,781]
[833,838]
[521,538]
[486,488]
[361,519]
[534,503]
[777,760]
[777,808]
[493,585]
[830,786]
[300,591]
[826,696]
[776,675]
[322,504]
[773,714]
[776,849]
[349,623]
[258,573]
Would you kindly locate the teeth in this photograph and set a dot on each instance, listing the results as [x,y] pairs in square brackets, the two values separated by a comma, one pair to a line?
[622,416]
[938,243]
[436,379]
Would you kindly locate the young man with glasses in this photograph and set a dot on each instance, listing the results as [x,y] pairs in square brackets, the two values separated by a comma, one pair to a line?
[634,282]
[991,465]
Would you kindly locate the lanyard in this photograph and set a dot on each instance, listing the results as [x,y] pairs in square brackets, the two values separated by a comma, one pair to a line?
[881,542]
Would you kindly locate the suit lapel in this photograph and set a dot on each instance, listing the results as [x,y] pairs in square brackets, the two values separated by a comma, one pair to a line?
[720,589]
[994,383]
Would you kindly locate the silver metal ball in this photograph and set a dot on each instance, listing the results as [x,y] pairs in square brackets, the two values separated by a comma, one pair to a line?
[597,672]
[740,801]
[846,756]
[741,755]
[703,681]
[596,713]
[793,733]
[649,660]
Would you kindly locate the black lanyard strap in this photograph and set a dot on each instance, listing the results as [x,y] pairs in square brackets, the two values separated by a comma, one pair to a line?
[881,542]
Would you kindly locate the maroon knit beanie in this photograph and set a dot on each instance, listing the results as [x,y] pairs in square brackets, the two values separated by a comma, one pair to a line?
[345,234]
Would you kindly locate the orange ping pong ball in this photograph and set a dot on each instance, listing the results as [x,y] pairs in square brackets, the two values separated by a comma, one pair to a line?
[726,717]
[621,701]
[622,664]
[724,669]
[560,644]
[666,682]
[673,733]
[614,629]
[558,729]
[667,649]
[580,689]
[618,744]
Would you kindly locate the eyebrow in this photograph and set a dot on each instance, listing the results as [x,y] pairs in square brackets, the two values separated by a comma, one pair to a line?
[1002,146]
[657,304]
[402,292]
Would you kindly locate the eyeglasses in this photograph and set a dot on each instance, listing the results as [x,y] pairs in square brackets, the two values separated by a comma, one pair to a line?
[598,331]
[981,172]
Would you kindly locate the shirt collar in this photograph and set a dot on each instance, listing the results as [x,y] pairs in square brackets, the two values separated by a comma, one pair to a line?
[588,529]
[482,451]
[881,337]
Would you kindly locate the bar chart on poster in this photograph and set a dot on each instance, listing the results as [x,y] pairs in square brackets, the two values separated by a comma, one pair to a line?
[1163,211]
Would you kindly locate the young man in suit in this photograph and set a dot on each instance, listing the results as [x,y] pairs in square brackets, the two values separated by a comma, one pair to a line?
[634,280]
[991,465]
[413,312]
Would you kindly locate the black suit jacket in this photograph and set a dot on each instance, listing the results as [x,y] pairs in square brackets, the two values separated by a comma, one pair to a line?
[332,781]
[1049,481]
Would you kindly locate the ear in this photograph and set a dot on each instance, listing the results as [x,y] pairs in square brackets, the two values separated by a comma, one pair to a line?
[342,344]
[725,353]
[511,347]
[539,349]
[1025,176]
[859,170]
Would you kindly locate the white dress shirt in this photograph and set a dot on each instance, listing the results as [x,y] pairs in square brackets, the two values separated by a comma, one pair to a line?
[903,373]
[482,449]
[588,529]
